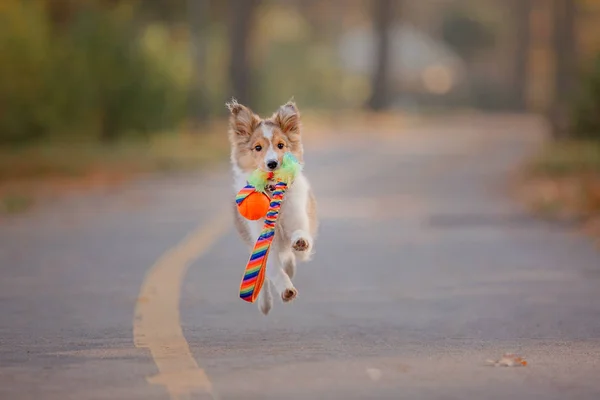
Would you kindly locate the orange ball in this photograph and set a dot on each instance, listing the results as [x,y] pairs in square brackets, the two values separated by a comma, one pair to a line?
[255,206]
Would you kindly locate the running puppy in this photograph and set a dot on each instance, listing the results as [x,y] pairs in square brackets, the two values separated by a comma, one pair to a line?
[258,143]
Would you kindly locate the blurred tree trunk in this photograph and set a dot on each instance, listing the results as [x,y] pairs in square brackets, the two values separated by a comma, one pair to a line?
[60,13]
[198,11]
[241,18]
[522,13]
[565,61]
[382,20]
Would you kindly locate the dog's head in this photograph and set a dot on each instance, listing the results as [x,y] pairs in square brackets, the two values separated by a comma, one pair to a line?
[261,143]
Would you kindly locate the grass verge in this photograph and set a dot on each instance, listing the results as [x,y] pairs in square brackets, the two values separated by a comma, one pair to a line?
[33,172]
[563,182]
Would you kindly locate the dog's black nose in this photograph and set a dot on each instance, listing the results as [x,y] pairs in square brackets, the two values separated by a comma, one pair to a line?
[272,165]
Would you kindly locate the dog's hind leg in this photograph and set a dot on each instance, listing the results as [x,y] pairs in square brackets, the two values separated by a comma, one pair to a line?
[265,298]
[288,261]
[280,279]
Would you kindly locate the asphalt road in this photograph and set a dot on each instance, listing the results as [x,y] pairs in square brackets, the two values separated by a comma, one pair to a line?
[424,269]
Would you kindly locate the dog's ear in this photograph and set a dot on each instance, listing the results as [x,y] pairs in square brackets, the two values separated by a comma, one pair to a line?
[242,120]
[288,118]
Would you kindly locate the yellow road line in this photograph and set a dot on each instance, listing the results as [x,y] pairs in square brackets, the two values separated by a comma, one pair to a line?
[157,326]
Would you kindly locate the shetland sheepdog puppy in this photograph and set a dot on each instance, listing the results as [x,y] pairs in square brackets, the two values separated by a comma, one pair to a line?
[258,143]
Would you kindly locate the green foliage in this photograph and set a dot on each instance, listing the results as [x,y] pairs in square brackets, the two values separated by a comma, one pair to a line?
[295,61]
[14,203]
[96,78]
[300,70]
[585,116]
[126,89]
[27,109]
[465,34]
[568,157]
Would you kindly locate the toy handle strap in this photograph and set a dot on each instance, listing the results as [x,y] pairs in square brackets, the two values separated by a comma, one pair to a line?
[254,274]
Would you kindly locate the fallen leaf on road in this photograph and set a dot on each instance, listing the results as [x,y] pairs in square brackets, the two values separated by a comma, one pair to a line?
[508,360]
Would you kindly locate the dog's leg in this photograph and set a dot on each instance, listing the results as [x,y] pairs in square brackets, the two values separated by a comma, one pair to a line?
[281,281]
[288,261]
[265,298]
[302,244]
[298,223]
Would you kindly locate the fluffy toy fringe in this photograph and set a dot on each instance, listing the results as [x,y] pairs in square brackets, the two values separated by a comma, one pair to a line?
[290,167]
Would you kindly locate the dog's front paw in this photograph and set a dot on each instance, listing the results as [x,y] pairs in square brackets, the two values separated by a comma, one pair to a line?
[289,294]
[300,245]
[301,241]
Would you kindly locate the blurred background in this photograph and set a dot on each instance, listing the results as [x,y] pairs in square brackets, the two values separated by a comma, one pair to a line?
[416,113]
[103,88]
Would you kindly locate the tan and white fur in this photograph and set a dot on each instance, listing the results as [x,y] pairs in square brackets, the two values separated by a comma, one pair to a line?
[258,143]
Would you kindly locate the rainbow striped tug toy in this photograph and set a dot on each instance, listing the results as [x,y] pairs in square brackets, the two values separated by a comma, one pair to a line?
[253,203]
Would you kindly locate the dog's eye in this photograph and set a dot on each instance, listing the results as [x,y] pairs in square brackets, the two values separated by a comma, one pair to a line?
[280,146]
[258,147]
